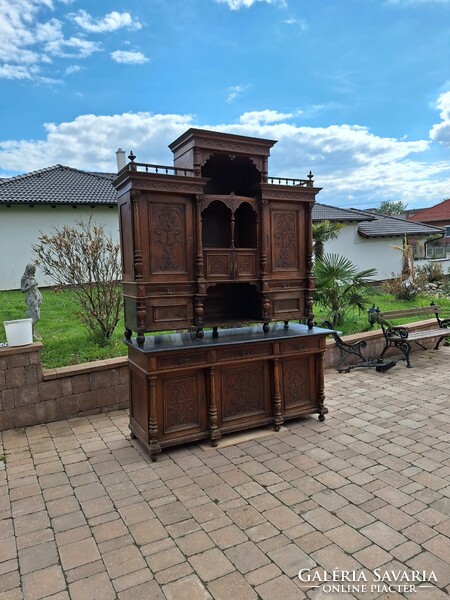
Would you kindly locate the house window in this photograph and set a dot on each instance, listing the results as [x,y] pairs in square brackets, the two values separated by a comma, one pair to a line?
[447,231]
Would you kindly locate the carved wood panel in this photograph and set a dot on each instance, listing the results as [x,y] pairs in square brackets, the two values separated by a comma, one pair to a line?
[181,403]
[126,240]
[245,264]
[243,391]
[297,376]
[284,240]
[218,265]
[168,229]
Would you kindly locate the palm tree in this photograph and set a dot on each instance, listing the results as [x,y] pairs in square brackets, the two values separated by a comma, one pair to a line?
[340,287]
[322,232]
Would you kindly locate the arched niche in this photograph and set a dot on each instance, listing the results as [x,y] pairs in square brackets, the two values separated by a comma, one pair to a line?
[245,232]
[229,173]
[232,302]
[216,226]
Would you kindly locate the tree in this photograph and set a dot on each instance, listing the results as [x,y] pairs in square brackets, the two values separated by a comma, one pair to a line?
[85,261]
[322,232]
[392,207]
[340,286]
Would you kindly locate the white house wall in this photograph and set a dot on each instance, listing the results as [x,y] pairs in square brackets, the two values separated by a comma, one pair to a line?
[20,227]
[368,253]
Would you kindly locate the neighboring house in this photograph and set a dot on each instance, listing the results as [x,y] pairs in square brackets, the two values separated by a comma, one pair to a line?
[369,239]
[47,198]
[56,196]
[437,216]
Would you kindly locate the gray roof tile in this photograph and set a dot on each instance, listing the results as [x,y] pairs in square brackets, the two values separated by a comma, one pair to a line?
[386,226]
[323,212]
[59,185]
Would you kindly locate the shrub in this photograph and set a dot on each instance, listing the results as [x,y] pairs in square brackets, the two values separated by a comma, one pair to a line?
[432,271]
[404,287]
[86,261]
[340,286]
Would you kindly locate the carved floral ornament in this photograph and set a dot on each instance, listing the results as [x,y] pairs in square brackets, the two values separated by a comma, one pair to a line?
[232,202]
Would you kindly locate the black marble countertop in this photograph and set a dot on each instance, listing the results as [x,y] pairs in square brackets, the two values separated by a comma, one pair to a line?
[238,335]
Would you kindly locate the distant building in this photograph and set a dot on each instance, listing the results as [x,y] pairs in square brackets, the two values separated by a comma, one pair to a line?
[437,216]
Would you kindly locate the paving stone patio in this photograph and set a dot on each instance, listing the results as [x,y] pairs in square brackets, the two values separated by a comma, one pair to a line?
[85,514]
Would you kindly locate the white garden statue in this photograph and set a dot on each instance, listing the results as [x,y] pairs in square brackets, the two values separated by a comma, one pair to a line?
[33,296]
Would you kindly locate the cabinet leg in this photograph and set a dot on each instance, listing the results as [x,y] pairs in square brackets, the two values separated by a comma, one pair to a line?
[132,435]
[215,332]
[215,437]
[266,327]
[128,333]
[199,333]
[286,325]
[140,339]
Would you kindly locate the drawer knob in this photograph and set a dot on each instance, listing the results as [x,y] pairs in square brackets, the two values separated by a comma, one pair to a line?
[245,353]
[183,361]
[170,291]
[300,347]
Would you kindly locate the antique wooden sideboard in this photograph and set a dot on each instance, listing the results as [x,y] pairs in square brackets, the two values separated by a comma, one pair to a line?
[214,242]
[183,389]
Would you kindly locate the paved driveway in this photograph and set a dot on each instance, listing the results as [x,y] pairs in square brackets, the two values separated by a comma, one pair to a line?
[86,515]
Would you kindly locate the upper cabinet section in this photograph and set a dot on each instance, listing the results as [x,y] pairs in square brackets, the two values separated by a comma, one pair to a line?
[234,163]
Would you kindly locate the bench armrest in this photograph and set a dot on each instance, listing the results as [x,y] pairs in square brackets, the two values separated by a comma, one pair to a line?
[400,332]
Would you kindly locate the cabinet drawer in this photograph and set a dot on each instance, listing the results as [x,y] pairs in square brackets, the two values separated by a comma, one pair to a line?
[244,352]
[181,360]
[300,345]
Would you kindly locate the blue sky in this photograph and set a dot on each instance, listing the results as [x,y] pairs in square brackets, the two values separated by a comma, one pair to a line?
[358,91]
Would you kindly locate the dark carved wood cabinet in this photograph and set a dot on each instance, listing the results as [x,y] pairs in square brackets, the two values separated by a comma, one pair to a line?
[213,242]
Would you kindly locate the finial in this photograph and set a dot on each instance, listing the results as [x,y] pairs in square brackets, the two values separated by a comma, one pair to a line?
[131,156]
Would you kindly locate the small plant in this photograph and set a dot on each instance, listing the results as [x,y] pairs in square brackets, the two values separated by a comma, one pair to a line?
[86,261]
[340,286]
[404,288]
[432,271]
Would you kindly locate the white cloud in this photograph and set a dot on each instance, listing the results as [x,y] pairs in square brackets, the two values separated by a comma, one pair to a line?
[441,131]
[72,47]
[235,91]
[300,23]
[128,57]
[110,22]
[29,42]
[256,118]
[354,166]
[15,72]
[238,4]
[90,141]
[73,69]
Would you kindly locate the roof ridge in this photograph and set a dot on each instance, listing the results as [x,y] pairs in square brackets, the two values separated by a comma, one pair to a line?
[31,173]
[99,174]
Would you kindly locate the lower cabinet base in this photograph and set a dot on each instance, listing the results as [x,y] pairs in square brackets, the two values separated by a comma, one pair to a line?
[184,390]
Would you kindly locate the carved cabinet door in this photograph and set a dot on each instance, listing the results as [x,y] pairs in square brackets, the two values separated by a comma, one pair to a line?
[183,405]
[287,241]
[170,228]
[298,386]
[244,392]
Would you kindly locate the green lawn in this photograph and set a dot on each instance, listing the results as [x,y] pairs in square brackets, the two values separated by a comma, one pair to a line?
[67,342]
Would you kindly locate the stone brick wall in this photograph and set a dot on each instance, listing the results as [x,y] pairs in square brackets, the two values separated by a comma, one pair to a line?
[30,395]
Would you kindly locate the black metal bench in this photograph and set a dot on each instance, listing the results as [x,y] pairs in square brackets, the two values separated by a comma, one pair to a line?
[400,336]
[354,350]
